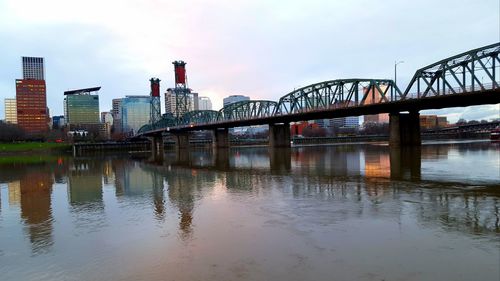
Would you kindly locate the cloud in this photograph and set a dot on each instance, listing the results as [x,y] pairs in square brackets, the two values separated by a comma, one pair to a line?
[258,48]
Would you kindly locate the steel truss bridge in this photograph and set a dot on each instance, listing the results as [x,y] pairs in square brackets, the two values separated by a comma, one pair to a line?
[466,79]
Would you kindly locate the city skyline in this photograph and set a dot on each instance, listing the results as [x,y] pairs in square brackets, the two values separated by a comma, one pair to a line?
[281,65]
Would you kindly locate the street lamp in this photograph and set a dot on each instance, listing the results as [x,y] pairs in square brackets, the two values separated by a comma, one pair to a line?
[396,70]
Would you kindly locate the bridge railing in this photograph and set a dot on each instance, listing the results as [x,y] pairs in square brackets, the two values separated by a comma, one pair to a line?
[455,90]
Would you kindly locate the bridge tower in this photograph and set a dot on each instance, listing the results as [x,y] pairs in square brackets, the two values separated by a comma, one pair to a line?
[181,91]
[155,106]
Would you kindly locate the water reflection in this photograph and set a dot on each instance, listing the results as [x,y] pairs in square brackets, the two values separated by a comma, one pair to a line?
[29,191]
[315,193]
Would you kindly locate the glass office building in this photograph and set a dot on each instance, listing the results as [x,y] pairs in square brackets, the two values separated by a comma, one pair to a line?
[135,111]
[81,109]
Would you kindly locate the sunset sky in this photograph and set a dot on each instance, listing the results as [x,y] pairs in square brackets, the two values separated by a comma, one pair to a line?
[263,49]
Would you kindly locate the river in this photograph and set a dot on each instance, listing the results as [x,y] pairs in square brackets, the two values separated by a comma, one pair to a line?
[337,212]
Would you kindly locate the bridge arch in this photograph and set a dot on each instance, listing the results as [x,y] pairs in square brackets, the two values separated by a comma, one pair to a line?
[339,93]
[248,110]
[466,72]
[199,117]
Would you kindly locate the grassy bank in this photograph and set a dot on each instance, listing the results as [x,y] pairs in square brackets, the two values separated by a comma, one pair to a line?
[32,147]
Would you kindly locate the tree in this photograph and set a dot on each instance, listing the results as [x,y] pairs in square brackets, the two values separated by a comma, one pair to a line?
[11,132]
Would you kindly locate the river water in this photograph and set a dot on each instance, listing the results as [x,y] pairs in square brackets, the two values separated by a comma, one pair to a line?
[349,212]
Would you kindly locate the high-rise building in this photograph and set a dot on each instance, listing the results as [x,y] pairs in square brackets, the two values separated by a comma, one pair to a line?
[234,98]
[107,117]
[33,68]
[10,111]
[58,122]
[171,98]
[374,97]
[31,96]
[135,111]
[31,103]
[116,111]
[117,107]
[204,103]
[81,106]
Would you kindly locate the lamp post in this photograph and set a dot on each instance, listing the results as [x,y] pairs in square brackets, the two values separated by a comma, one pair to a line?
[396,70]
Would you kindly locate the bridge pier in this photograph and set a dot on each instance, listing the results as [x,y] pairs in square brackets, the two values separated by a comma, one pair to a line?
[404,129]
[221,138]
[279,135]
[181,140]
[157,148]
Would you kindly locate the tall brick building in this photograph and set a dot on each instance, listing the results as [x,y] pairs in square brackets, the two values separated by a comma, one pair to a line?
[31,97]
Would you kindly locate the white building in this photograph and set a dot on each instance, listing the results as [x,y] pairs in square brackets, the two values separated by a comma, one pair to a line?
[171,102]
[204,103]
[10,111]
[234,98]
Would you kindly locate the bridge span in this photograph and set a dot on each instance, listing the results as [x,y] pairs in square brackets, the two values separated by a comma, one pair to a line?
[466,79]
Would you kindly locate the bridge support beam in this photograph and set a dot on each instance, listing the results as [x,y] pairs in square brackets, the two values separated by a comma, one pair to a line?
[221,138]
[279,135]
[157,148]
[181,140]
[404,129]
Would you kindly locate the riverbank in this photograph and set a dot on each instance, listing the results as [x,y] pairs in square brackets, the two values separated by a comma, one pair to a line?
[32,147]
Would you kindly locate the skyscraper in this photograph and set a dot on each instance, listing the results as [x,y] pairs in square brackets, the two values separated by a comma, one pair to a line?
[81,106]
[371,98]
[204,103]
[171,99]
[10,111]
[33,68]
[116,111]
[136,111]
[31,103]
[31,97]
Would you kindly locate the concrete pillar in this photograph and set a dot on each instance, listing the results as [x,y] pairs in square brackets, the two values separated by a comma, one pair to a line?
[181,140]
[157,148]
[221,138]
[404,129]
[279,135]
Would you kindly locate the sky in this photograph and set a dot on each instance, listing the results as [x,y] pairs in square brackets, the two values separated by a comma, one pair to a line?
[260,48]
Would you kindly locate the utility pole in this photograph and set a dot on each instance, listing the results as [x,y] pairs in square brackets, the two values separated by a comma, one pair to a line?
[396,71]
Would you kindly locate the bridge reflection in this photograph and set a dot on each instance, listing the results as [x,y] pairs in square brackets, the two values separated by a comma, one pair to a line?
[374,180]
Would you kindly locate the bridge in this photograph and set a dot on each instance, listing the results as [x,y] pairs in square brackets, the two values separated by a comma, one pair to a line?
[466,79]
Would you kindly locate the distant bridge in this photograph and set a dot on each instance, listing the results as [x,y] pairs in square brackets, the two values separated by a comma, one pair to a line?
[466,79]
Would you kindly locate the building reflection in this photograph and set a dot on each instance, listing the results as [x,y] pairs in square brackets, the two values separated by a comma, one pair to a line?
[377,163]
[85,183]
[14,193]
[364,176]
[133,180]
[35,201]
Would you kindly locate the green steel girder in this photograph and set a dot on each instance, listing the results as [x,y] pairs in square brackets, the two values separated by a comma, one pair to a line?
[199,117]
[339,93]
[466,72]
[474,70]
[166,121]
[144,129]
[247,110]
